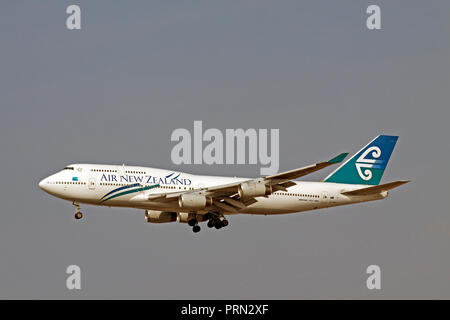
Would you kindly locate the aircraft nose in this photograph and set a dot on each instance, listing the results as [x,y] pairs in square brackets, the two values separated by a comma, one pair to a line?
[42,183]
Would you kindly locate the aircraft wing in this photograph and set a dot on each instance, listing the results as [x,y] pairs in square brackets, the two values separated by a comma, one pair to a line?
[227,197]
[297,173]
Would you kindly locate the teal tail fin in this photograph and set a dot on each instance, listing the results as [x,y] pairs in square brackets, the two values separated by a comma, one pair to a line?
[367,165]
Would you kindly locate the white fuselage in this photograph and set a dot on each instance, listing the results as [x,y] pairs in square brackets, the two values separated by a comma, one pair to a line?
[106,185]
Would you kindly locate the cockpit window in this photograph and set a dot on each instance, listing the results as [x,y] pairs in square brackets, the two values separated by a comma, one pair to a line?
[68,168]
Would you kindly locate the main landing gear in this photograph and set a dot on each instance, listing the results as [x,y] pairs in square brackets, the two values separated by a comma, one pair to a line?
[194,224]
[217,222]
[214,220]
[78,214]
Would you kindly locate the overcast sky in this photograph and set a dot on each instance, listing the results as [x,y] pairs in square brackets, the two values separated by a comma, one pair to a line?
[114,91]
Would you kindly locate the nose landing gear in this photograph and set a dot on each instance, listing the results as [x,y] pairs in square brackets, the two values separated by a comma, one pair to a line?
[78,213]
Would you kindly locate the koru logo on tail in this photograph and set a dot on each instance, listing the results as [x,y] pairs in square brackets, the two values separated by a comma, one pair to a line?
[363,162]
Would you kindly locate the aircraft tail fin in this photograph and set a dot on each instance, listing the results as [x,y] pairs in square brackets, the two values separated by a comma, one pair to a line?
[367,165]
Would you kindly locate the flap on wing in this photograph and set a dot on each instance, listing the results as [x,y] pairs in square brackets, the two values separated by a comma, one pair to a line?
[164,197]
[297,173]
[156,196]
[375,189]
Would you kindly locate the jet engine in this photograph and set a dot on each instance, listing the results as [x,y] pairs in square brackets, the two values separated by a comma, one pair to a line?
[184,217]
[194,201]
[160,216]
[254,189]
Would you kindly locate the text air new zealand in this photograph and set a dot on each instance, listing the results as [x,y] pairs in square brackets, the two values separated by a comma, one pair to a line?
[167,196]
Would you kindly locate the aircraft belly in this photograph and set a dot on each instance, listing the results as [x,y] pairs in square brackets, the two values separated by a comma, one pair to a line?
[279,206]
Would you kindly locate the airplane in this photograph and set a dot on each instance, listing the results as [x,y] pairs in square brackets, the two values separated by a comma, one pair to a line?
[169,196]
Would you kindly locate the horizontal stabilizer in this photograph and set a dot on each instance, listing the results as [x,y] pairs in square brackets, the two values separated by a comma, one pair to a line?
[375,189]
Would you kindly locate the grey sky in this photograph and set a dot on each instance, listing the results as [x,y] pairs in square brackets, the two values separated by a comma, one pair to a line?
[114,91]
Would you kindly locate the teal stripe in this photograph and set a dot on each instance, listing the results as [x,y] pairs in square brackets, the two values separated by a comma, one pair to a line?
[177,176]
[121,188]
[131,191]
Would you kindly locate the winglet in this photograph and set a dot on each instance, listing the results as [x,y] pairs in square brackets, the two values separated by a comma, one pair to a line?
[338,158]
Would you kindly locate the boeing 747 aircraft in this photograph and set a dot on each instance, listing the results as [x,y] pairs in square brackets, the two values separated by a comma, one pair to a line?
[168,196]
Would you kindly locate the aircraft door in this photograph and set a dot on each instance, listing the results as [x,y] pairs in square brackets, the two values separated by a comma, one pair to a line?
[91,183]
[200,185]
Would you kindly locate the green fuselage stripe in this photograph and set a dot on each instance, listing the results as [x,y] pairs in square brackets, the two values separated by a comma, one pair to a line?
[131,191]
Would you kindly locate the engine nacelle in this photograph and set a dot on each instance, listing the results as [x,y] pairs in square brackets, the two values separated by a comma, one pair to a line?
[254,189]
[184,217]
[160,216]
[194,201]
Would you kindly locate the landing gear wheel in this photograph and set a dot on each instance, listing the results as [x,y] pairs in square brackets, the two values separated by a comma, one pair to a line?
[78,214]
[210,224]
[196,228]
[224,222]
[192,222]
[218,224]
